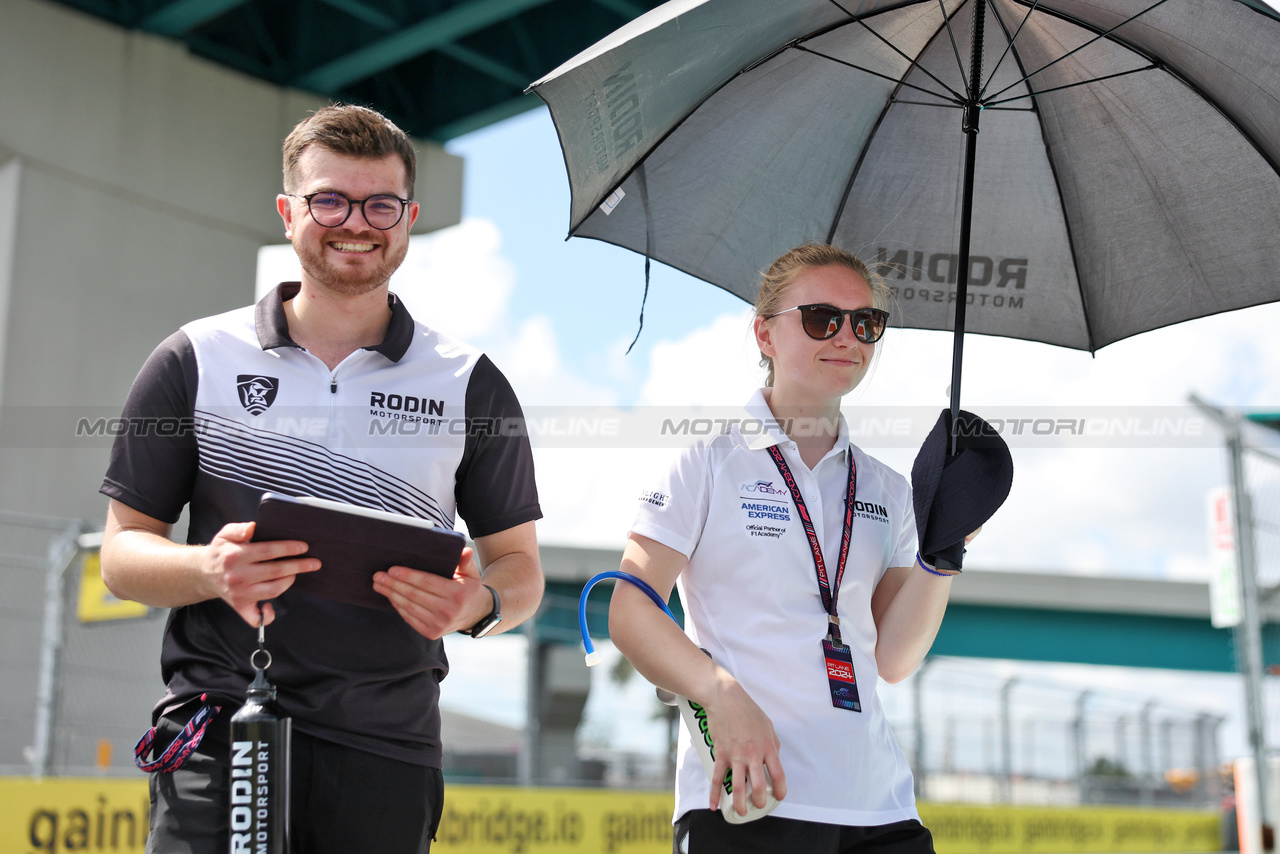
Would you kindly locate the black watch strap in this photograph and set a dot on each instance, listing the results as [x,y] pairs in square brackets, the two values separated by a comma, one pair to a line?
[494,617]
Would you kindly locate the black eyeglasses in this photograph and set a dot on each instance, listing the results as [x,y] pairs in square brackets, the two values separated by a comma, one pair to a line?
[333,209]
[822,321]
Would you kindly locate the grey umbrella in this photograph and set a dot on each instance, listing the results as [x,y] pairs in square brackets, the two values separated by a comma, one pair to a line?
[1066,171]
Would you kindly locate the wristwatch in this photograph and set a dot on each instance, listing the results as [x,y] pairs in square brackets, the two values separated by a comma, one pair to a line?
[486,624]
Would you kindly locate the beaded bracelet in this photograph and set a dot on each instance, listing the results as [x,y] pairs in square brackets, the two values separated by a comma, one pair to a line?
[930,569]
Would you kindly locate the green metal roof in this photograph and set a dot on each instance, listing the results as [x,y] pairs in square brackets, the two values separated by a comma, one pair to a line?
[1266,419]
[438,68]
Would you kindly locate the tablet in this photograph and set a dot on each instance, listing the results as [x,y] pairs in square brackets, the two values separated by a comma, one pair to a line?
[352,543]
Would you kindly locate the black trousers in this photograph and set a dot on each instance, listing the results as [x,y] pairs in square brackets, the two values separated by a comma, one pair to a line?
[342,800]
[706,832]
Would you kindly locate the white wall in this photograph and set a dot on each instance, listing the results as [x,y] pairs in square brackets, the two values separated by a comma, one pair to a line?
[136,185]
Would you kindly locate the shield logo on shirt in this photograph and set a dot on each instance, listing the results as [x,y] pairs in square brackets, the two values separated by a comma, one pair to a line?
[257,393]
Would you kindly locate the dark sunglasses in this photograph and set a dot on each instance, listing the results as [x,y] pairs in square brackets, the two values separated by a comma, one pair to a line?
[822,321]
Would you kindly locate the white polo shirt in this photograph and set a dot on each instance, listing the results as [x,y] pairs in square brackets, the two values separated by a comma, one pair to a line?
[751,599]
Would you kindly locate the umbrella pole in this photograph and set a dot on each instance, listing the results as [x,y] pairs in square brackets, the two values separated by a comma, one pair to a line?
[972,111]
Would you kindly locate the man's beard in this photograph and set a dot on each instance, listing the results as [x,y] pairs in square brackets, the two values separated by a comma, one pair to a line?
[348,282]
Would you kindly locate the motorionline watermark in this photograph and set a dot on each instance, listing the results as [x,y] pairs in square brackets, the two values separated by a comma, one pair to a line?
[606,427]
[1121,428]
[140,426]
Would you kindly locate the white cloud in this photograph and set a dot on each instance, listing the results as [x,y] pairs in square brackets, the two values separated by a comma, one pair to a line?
[531,359]
[276,264]
[589,495]
[711,366]
[1227,357]
[458,281]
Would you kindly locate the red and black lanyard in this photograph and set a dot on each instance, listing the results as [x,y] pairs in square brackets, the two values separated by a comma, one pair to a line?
[830,592]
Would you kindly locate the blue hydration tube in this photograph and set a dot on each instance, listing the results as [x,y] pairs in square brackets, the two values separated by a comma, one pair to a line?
[593,657]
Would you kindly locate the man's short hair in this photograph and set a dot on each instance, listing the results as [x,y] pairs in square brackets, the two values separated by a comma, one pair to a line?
[351,130]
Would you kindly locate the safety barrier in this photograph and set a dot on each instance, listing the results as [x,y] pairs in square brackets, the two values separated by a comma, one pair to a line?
[60,814]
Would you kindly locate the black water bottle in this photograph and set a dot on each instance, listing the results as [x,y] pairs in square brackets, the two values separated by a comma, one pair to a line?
[260,744]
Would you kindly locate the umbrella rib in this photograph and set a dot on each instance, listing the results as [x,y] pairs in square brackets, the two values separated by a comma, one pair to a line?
[1031,94]
[1066,221]
[1181,78]
[1010,40]
[961,106]
[928,104]
[1070,53]
[946,20]
[853,175]
[862,154]
[914,62]
[956,96]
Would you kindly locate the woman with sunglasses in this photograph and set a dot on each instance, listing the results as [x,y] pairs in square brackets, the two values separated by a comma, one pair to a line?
[795,554]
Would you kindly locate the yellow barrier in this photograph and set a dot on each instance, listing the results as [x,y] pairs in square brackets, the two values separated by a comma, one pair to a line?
[66,814]
[966,829]
[501,820]
[60,814]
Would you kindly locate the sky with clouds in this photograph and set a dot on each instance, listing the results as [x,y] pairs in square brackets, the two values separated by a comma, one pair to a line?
[557,316]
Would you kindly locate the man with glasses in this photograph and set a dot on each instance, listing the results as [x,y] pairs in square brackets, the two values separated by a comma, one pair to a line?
[326,388]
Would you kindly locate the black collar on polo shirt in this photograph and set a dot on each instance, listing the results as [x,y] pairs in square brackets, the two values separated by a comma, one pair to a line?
[273,326]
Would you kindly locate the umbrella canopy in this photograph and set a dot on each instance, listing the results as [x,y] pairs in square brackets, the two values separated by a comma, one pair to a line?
[1126,171]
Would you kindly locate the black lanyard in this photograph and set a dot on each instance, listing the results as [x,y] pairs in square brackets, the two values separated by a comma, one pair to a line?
[830,592]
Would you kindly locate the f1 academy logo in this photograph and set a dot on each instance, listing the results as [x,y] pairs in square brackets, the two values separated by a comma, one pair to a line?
[257,393]
[762,487]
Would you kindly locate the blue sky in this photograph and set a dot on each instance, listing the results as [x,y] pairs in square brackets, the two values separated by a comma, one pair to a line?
[515,178]
[557,316]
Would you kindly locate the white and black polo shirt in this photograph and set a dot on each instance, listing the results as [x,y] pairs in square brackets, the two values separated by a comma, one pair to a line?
[229,407]
[751,599]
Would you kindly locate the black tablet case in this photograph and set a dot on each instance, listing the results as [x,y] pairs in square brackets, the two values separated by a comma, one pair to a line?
[352,547]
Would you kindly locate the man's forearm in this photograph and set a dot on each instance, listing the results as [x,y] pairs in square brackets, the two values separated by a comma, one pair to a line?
[517,577]
[512,567]
[142,565]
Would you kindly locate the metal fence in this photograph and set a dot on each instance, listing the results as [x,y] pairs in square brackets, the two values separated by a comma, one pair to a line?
[76,695]
[974,735]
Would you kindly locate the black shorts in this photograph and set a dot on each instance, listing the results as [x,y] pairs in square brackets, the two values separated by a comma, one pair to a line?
[342,800]
[706,832]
